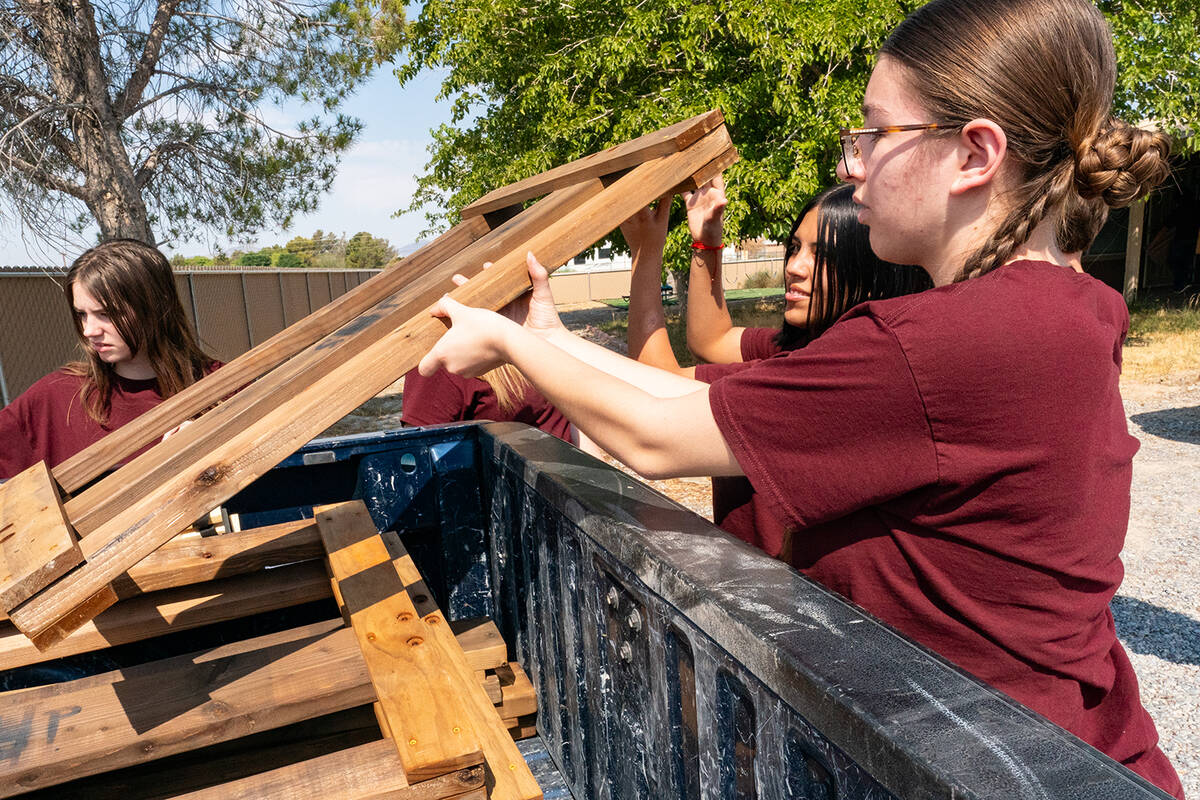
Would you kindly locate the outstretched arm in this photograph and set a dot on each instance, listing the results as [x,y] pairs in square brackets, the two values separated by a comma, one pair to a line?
[638,428]
[646,233]
[711,335]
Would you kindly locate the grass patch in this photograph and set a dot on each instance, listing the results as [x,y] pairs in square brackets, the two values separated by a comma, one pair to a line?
[1163,345]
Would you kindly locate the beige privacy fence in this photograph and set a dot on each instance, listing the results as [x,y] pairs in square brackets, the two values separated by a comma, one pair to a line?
[232,309]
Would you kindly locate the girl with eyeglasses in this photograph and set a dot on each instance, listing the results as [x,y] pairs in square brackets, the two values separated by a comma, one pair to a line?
[957,462]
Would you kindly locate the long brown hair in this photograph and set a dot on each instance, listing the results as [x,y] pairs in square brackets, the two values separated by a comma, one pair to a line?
[509,385]
[133,282]
[1044,71]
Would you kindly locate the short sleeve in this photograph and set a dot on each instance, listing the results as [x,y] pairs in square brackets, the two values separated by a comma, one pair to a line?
[16,455]
[831,428]
[433,400]
[759,343]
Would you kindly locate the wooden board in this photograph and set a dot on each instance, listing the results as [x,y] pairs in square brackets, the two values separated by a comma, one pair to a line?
[607,162]
[480,639]
[234,454]
[86,465]
[37,544]
[173,610]
[509,775]
[65,731]
[367,771]
[418,698]
[517,695]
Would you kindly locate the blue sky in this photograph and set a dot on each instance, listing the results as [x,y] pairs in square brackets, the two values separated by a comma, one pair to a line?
[375,179]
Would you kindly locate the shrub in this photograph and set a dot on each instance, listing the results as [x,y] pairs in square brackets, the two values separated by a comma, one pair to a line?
[289,261]
[254,260]
[763,279]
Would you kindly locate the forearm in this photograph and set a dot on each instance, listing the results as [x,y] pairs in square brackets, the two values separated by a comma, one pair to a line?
[647,321]
[710,332]
[654,380]
[634,425]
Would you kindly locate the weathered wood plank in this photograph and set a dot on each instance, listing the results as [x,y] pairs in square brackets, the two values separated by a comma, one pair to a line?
[37,544]
[246,451]
[174,610]
[480,639]
[517,695]
[509,777]
[86,465]
[367,771]
[418,698]
[615,159]
[65,731]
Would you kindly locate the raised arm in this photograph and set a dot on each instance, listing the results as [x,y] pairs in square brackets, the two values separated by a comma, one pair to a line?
[646,233]
[711,335]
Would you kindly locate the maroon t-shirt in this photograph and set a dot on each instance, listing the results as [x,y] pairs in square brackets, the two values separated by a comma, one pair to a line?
[958,463]
[48,421]
[445,397]
[731,494]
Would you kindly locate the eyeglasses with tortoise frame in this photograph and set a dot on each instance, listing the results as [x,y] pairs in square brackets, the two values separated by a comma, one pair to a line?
[849,138]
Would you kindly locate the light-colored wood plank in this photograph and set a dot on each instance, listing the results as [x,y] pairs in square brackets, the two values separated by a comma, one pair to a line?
[480,639]
[86,465]
[517,695]
[509,775]
[37,544]
[607,162]
[245,452]
[521,727]
[69,730]
[174,610]
[368,771]
[491,686]
[418,699]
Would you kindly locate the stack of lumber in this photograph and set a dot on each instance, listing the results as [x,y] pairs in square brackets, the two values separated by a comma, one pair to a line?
[76,540]
[342,707]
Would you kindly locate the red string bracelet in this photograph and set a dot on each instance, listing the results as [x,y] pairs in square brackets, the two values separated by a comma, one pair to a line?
[703,246]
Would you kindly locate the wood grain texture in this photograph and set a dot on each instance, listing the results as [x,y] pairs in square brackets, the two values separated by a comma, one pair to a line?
[37,544]
[615,159]
[367,771]
[517,695]
[481,641]
[103,722]
[303,408]
[172,610]
[86,465]
[509,777]
[419,700]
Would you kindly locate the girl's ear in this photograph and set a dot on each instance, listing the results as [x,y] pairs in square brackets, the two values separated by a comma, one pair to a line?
[982,146]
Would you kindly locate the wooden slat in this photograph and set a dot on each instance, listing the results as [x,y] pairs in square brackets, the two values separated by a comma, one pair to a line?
[708,171]
[619,157]
[480,639]
[509,775]
[84,466]
[174,610]
[419,700]
[193,560]
[518,697]
[522,727]
[367,771]
[37,544]
[491,686]
[247,451]
[69,730]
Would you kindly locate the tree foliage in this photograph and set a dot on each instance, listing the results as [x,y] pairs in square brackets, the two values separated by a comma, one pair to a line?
[365,251]
[536,83]
[149,116]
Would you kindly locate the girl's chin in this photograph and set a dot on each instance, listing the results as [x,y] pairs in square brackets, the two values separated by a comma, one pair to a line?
[796,317]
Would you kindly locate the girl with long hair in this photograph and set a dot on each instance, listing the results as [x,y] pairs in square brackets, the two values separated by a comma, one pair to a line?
[956,462]
[138,349]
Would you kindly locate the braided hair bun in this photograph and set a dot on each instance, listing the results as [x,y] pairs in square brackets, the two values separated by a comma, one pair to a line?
[1121,163]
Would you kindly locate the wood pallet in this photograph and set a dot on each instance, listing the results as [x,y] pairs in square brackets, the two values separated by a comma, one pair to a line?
[63,558]
[390,700]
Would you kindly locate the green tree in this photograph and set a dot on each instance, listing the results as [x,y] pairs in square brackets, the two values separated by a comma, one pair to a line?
[536,83]
[254,260]
[365,251]
[147,117]
[289,260]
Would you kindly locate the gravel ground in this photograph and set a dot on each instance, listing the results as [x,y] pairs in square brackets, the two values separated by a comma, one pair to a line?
[1157,609]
